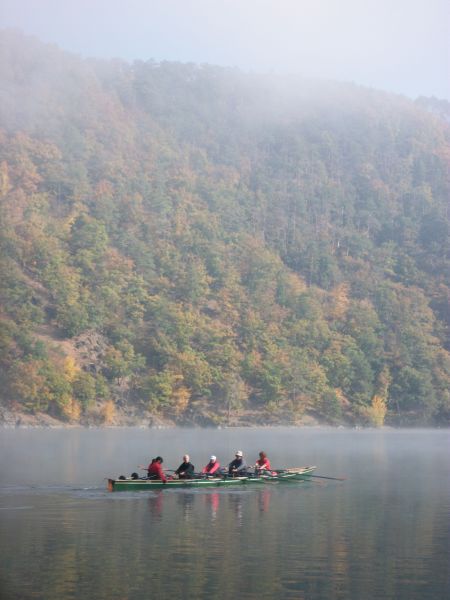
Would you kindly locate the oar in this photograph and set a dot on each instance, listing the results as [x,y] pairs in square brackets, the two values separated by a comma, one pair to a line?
[307,474]
[299,470]
[293,469]
[333,478]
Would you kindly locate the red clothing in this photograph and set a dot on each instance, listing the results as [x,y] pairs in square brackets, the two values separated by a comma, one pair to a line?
[263,463]
[155,471]
[211,467]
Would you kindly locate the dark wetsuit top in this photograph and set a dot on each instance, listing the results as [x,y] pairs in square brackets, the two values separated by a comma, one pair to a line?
[239,464]
[186,470]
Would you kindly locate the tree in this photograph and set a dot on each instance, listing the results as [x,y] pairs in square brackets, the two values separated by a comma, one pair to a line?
[413,395]
[84,389]
[121,361]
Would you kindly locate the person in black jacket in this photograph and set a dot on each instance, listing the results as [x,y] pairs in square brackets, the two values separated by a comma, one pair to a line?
[238,466]
[186,469]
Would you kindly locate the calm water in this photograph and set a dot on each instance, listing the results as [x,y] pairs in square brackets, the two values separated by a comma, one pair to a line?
[383,533]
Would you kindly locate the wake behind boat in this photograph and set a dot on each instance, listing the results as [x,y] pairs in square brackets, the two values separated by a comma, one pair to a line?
[298,474]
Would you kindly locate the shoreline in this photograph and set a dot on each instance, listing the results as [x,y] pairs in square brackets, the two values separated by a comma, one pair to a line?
[170,425]
[18,420]
[43,421]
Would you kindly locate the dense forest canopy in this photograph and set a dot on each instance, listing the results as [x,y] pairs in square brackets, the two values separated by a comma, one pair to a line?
[199,243]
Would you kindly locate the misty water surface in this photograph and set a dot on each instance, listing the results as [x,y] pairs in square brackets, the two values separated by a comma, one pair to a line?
[383,533]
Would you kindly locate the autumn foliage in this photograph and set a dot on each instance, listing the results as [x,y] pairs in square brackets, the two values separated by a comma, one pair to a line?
[197,243]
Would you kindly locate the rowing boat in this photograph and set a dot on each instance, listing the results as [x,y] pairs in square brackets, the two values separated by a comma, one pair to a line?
[117,485]
[281,476]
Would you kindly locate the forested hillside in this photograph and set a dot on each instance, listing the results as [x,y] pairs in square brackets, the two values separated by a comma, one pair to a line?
[206,245]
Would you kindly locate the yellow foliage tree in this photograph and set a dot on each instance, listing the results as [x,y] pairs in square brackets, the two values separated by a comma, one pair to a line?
[340,301]
[70,368]
[108,412]
[72,410]
[376,413]
[181,397]
[28,385]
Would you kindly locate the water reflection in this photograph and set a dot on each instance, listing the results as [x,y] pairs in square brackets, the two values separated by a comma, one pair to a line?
[209,503]
[155,504]
[235,504]
[381,534]
[186,503]
[264,499]
[212,501]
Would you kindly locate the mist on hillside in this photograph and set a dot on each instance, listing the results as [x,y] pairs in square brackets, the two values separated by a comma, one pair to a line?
[195,244]
[401,47]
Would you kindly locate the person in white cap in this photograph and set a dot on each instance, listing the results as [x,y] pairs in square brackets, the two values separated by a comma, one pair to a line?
[212,467]
[237,466]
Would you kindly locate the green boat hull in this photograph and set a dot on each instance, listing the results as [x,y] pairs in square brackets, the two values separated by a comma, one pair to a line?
[135,485]
[116,485]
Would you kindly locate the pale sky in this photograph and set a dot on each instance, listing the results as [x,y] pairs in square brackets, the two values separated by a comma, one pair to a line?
[401,46]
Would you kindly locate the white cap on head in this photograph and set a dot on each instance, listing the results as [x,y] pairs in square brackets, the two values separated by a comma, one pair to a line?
[212,457]
[239,453]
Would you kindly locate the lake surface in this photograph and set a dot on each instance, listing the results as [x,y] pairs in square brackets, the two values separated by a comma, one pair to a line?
[382,533]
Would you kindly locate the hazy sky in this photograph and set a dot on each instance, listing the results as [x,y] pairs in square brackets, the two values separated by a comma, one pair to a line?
[396,45]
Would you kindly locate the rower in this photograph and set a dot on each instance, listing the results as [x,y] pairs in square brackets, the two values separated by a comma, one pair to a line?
[212,467]
[262,464]
[186,469]
[154,469]
[238,466]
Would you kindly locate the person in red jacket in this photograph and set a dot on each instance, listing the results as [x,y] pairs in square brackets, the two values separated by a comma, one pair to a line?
[212,467]
[155,471]
[262,464]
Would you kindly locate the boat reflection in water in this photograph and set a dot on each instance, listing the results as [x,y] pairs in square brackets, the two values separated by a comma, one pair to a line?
[383,534]
[212,501]
[264,500]
[189,503]
[155,504]
[186,502]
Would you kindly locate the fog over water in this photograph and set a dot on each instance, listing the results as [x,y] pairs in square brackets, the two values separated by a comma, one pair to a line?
[85,456]
[382,533]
